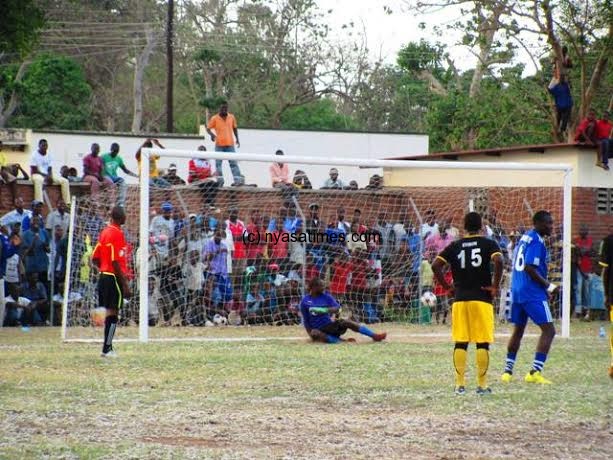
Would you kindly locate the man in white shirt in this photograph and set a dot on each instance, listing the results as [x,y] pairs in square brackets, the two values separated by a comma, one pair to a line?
[429,227]
[162,229]
[333,181]
[58,217]
[42,171]
[16,215]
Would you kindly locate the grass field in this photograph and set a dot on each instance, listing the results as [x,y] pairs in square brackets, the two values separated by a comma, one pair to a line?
[294,399]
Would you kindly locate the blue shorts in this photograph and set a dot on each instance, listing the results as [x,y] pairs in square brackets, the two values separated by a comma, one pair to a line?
[537,311]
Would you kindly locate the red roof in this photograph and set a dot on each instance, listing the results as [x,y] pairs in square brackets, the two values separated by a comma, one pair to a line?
[496,152]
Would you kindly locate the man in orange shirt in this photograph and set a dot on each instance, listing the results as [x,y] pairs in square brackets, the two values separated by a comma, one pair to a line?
[109,256]
[226,130]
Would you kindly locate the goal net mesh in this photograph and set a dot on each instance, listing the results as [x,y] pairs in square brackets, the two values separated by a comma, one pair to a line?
[372,247]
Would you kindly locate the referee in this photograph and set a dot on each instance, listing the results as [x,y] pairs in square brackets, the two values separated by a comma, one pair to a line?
[110,257]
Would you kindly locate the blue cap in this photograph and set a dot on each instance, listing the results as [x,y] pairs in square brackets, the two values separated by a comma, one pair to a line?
[167,206]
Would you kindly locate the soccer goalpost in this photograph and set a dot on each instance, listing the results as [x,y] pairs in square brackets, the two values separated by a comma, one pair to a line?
[379,270]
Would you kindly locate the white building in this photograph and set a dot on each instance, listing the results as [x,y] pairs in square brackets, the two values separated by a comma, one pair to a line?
[69,148]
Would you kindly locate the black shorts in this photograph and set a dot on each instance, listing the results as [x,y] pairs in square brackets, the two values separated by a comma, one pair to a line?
[335,328]
[109,292]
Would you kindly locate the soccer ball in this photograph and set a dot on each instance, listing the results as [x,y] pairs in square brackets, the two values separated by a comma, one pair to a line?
[219,320]
[98,316]
[428,299]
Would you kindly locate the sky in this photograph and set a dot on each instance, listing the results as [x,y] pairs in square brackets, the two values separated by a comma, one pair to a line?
[387,33]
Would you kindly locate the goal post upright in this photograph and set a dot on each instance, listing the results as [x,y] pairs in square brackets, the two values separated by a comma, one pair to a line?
[331,160]
[143,272]
[566,250]
[69,251]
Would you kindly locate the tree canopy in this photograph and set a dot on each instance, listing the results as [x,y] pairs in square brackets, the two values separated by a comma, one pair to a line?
[101,65]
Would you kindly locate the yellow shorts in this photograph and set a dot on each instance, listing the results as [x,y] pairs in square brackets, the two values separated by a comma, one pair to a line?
[472,321]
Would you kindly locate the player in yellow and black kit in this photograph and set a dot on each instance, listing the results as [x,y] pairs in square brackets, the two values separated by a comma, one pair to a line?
[472,312]
[606,262]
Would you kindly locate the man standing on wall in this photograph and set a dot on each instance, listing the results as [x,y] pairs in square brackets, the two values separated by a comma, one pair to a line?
[226,129]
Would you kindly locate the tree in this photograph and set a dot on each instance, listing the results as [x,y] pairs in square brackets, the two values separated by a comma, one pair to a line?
[20,24]
[321,114]
[54,94]
[586,27]
[265,57]
[493,30]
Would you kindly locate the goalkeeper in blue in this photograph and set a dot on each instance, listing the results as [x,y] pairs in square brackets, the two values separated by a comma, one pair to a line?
[319,310]
[531,292]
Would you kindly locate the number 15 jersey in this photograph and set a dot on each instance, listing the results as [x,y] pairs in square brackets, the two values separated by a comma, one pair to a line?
[470,261]
[530,250]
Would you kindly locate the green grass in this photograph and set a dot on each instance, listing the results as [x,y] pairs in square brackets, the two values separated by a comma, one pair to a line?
[294,399]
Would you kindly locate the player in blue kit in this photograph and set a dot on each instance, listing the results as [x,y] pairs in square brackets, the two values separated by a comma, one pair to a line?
[530,293]
[318,309]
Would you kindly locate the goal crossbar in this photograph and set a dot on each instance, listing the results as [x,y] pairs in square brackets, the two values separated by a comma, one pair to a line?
[566,169]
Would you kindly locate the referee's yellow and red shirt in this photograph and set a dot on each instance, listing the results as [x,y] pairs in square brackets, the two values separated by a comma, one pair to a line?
[111,247]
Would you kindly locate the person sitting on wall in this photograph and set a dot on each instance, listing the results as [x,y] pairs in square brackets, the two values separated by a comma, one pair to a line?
[200,173]
[172,177]
[9,173]
[301,180]
[42,172]
[586,131]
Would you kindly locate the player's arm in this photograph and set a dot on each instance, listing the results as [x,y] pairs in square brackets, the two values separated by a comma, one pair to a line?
[209,127]
[121,278]
[537,278]
[305,317]
[439,264]
[532,259]
[119,274]
[127,171]
[139,149]
[96,256]
[498,262]
[332,308]
[325,310]
[235,129]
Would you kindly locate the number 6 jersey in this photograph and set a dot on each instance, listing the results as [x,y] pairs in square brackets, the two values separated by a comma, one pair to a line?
[470,261]
[530,250]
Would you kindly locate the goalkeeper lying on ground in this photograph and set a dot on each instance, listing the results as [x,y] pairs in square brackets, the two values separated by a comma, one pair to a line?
[318,309]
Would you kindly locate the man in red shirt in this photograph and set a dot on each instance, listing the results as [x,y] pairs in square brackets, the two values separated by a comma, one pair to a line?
[341,269]
[93,167]
[359,272]
[604,137]
[238,230]
[256,244]
[109,256]
[586,131]
[357,218]
[200,173]
[584,244]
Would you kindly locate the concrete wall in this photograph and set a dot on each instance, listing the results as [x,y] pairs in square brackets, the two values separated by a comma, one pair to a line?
[585,173]
[69,148]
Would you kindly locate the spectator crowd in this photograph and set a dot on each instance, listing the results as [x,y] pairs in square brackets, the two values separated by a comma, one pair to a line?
[243,265]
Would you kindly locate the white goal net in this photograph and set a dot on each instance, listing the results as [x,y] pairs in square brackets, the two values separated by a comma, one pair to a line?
[203,256]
